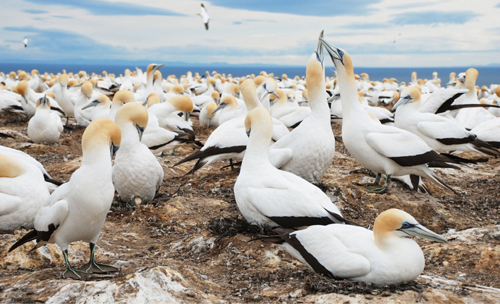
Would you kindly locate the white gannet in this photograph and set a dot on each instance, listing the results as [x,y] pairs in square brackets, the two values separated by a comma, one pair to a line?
[269,196]
[382,256]
[82,115]
[137,175]
[440,133]
[26,41]
[22,193]
[101,107]
[63,96]
[166,113]
[380,148]
[310,146]
[30,99]
[121,97]
[285,109]
[205,16]
[45,126]
[207,116]
[77,210]
[228,109]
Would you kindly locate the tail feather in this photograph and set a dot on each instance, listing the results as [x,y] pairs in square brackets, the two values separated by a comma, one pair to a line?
[485,148]
[431,175]
[30,236]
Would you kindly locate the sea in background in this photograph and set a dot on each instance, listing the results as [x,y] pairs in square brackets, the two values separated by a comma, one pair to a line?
[487,74]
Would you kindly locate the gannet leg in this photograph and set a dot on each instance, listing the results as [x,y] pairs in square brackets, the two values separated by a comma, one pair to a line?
[69,272]
[375,182]
[380,190]
[93,267]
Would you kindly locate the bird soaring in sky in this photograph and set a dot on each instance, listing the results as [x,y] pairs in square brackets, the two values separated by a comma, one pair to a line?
[205,16]
[25,41]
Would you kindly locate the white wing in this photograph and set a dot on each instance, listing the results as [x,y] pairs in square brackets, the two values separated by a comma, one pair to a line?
[397,144]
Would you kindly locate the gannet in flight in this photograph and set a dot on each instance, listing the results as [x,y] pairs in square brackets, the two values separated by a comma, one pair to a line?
[76,211]
[382,256]
[25,42]
[205,16]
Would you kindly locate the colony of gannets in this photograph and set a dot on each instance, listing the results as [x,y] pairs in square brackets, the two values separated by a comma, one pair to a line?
[280,128]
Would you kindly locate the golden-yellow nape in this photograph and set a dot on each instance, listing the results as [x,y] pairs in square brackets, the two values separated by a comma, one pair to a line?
[414,92]
[387,222]
[101,131]
[211,108]
[132,112]
[9,167]
[87,89]
[22,86]
[181,103]
[124,96]
[259,118]
[152,99]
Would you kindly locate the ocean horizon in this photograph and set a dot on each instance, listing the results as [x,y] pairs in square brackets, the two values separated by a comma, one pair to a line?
[487,74]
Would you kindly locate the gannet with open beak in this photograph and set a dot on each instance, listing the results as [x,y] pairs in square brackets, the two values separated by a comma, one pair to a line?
[383,256]
[22,193]
[77,210]
[383,149]
[310,146]
[269,196]
[137,175]
[45,126]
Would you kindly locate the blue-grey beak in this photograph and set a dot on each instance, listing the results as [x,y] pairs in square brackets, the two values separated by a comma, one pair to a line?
[419,230]
[319,49]
[92,104]
[335,53]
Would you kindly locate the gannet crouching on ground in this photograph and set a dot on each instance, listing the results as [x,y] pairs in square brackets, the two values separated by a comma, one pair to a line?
[45,126]
[355,253]
[76,211]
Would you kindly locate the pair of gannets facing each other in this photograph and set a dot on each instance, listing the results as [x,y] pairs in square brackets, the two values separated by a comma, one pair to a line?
[308,150]
[45,126]
[22,193]
[137,175]
[440,133]
[382,149]
[77,209]
[382,256]
[269,196]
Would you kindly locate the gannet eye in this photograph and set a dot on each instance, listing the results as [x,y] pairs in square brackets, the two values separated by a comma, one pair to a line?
[408,96]
[405,225]
[341,53]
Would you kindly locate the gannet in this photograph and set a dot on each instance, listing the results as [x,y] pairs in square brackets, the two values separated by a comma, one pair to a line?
[440,133]
[22,193]
[382,257]
[143,95]
[100,107]
[25,42]
[207,116]
[285,109]
[30,99]
[77,210]
[63,96]
[137,175]
[166,113]
[45,126]
[205,16]
[120,98]
[82,115]
[228,109]
[310,147]
[269,196]
[380,148]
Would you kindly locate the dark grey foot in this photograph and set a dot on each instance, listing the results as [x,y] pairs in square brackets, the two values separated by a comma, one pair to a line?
[98,268]
[71,274]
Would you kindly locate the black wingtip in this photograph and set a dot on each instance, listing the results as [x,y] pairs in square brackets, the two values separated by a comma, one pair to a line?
[30,236]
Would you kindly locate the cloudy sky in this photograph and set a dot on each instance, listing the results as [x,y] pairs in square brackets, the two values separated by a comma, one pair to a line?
[429,32]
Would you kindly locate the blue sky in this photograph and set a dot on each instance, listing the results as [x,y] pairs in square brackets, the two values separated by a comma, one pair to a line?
[431,32]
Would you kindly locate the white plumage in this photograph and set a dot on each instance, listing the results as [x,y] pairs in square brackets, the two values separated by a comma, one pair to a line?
[45,126]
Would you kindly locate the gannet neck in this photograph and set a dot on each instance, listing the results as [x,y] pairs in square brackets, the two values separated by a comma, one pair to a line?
[315,79]
[97,140]
[348,88]
[259,126]
[249,92]
[9,167]
[470,81]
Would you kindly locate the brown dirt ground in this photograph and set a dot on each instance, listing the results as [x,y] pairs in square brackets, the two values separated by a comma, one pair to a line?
[224,263]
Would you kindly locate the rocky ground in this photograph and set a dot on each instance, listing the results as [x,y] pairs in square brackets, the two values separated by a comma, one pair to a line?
[191,245]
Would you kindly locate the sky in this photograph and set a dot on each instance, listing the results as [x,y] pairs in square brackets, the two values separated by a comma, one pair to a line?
[429,33]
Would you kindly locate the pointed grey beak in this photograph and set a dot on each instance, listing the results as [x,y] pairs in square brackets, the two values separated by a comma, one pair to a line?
[335,53]
[157,67]
[219,107]
[92,104]
[333,98]
[401,102]
[319,49]
[272,101]
[140,130]
[421,231]
[44,100]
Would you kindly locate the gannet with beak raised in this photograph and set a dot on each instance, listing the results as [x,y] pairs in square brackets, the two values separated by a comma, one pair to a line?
[76,211]
[383,149]
[383,256]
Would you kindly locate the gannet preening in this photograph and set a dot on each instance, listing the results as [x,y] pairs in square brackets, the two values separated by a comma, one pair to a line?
[77,210]
[22,193]
[441,133]
[137,175]
[25,42]
[269,196]
[383,149]
[308,150]
[45,126]
[382,256]
[204,15]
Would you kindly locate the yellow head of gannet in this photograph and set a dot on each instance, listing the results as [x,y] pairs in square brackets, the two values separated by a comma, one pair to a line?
[177,89]
[409,94]
[43,102]
[152,99]
[497,91]
[280,99]
[290,96]
[133,113]
[101,131]
[227,100]
[22,86]
[63,79]
[87,89]
[9,167]
[181,103]
[216,97]
[469,79]
[259,119]
[211,109]
[23,76]
[233,89]
[101,99]
[123,96]
[259,80]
